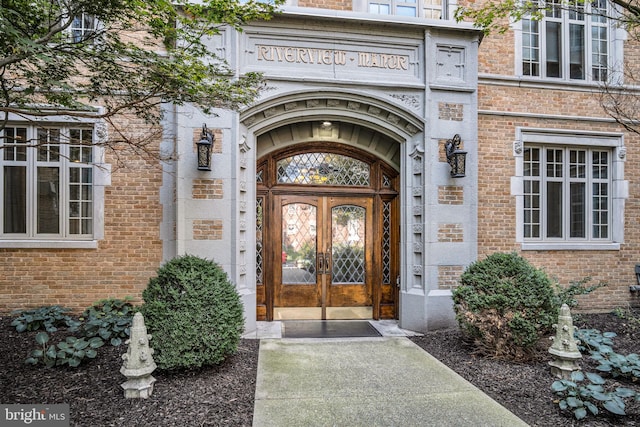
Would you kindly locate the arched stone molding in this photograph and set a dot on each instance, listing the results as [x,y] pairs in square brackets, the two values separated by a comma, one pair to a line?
[387,130]
[398,124]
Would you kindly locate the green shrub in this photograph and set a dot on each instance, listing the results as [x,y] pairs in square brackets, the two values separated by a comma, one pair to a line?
[505,305]
[109,319]
[193,312]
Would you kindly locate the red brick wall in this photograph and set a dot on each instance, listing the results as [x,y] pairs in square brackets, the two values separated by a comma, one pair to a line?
[121,265]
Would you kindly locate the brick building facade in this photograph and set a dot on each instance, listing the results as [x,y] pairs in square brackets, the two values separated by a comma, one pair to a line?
[349,134]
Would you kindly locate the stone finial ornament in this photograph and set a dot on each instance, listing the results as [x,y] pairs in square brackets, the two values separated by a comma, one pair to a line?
[565,347]
[138,362]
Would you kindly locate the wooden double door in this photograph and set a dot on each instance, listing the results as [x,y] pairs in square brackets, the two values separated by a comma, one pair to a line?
[327,234]
[327,248]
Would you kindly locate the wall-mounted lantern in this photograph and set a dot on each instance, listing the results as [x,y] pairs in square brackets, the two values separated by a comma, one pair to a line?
[455,157]
[204,149]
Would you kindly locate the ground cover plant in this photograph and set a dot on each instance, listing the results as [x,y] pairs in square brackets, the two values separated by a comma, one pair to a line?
[223,395]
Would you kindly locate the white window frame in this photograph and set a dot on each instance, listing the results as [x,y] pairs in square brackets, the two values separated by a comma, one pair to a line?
[615,38]
[83,31]
[424,8]
[101,177]
[619,188]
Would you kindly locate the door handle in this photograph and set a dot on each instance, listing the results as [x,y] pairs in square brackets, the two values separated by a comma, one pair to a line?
[327,262]
[320,267]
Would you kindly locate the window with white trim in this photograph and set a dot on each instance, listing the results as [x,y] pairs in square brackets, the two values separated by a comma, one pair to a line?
[568,43]
[569,188]
[83,27]
[567,193]
[432,9]
[47,183]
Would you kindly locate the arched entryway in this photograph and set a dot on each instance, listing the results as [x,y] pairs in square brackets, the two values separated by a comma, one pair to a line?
[327,222]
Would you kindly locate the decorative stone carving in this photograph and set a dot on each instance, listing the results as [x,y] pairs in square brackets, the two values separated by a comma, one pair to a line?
[242,145]
[565,347]
[622,153]
[375,111]
[450,63]
[518,146]
[270,112]
[352,105]
[138,362]
[411,100]
[411,129]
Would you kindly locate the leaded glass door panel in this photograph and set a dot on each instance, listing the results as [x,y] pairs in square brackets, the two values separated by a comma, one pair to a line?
[326,270]
[349,242]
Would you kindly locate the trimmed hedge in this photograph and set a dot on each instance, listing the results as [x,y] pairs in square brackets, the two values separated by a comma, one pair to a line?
[193,313]
[505,305]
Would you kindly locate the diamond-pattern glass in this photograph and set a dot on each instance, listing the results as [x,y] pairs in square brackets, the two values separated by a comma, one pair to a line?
[323,169]
[299,244]
[348,244]
[259,240]
[386,242]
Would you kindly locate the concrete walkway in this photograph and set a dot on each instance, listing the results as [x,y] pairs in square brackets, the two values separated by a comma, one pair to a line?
[386,381]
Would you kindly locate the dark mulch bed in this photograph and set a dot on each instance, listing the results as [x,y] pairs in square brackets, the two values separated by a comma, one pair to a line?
[224,395]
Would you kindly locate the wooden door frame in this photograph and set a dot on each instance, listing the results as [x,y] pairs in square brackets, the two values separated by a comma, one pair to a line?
[384,188]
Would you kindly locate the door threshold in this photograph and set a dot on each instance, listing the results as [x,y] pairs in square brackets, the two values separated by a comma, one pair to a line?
[315,313]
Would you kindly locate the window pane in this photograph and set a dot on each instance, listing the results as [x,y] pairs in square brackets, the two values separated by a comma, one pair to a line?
[531,209]
[432,13]
[48,200]
[48,145]
[406,11]
[299,244]
[578,209]
[554,163]
[577,163]
[80,201]
[600,165]
[554,49]
[347,244]
[15,199]
[532,162]
[17,136]
[554,209]
[530,48]
[600,211]
[576,57]
[322,169]
[379,8]
[599,53]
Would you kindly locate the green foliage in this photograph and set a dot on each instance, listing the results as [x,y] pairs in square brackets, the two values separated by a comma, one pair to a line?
[49,318]
[140,55]
[496,16]
[587,393]
[568,295]
[72,351]
[600,347]
[110,319]
[193,312]
[505,305]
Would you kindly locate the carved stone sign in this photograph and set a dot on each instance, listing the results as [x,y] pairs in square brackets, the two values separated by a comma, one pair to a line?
[306,55]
